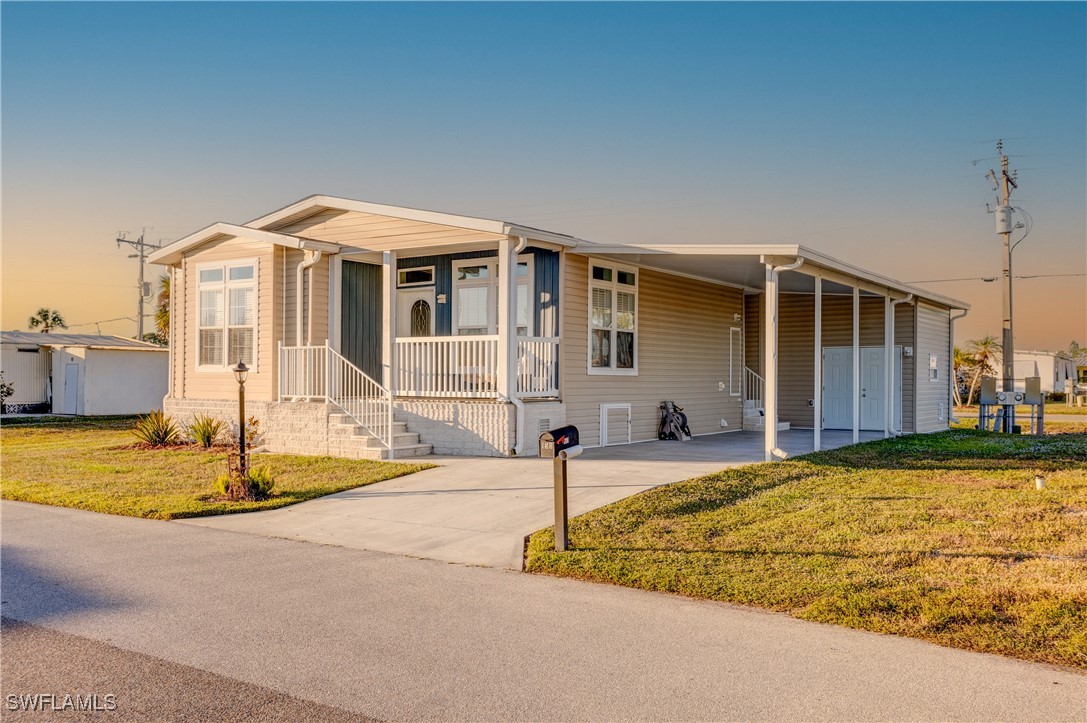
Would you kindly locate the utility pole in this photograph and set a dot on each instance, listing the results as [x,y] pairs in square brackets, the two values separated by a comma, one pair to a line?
[1004,185]
[142,247]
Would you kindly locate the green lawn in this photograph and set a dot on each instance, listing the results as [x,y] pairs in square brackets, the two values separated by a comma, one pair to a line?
[93,464]
[941,537]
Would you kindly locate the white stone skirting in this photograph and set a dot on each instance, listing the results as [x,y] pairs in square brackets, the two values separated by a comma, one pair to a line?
[453,427]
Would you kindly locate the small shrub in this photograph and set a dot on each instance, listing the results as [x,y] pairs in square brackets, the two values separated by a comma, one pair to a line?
[205,430]
[256,487]
[254,437]
[6,390]
[157,429]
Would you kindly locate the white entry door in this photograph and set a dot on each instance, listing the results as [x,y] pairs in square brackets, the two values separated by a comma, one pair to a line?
[415,312]
[71,388]
[838,388]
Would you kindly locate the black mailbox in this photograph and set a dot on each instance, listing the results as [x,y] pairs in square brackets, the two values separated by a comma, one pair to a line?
[555,441]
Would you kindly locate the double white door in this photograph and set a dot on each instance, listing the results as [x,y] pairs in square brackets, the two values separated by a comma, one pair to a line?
[838,388]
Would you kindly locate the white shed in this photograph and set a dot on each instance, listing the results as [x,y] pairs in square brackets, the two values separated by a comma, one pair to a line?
[83,374]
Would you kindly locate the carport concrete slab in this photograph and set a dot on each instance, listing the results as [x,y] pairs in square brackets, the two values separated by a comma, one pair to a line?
[478,510]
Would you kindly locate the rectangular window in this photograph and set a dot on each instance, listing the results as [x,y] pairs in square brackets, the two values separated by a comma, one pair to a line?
[475,295]
[613,323]
[423,276]
[227,315]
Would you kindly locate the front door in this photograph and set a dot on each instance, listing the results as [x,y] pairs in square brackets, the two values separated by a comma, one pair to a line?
[71,388]
[415,312]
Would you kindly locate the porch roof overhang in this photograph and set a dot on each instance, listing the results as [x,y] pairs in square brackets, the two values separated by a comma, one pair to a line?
[172,253]
[743,265]
[315,204]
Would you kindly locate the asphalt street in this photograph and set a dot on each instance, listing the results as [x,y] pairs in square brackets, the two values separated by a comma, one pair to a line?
[393,637]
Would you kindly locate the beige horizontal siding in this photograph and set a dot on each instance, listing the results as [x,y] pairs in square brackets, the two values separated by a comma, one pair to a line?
[316,277]
[753,310]
[682,354]
[221,384]
[378,233]
[933,337]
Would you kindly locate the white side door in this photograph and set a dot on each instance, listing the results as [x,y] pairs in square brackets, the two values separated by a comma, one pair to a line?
[71,389]
[873,386]
[837,388]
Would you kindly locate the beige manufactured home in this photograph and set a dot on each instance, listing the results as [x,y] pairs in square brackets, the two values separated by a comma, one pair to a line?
[379,331]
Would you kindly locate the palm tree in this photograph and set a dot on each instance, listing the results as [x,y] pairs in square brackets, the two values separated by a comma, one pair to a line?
[983,351]
[162,308]
[962,364]
[47,319]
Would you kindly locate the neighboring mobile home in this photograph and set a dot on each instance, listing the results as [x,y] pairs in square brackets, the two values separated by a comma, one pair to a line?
[84,374]
[371,327]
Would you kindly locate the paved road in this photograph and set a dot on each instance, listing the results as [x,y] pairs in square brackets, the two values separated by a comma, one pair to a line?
[477,511]
[399,638]
[118,685]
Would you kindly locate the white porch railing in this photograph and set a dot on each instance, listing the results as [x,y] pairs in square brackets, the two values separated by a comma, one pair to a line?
[464,367]
[319,372]
[753,388]
[537,366]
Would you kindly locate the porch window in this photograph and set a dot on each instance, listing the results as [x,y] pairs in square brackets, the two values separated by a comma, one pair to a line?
[475,296]
[227,314]
[613,313]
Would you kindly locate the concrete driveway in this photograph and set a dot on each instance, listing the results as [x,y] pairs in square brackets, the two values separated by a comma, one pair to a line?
[477,511]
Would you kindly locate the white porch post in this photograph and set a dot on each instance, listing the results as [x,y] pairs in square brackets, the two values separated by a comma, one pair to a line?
[507,294]
[817,421]
[388,319]
[770,346]
[856,364]
[888,364]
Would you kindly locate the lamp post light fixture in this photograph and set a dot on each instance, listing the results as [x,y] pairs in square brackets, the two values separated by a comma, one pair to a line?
[240,373]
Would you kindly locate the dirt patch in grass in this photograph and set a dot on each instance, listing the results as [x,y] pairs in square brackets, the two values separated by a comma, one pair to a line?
[94,464]
[941,537]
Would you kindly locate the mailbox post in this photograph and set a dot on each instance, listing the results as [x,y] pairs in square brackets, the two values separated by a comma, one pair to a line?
[560,445]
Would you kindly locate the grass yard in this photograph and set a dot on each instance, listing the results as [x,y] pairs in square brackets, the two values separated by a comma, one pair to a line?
[941,537]
[92,464]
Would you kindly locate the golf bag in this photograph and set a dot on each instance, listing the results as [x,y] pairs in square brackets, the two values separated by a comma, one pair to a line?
[673,423]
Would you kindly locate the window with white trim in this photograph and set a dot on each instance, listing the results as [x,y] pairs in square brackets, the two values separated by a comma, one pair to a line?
[613,311]
[226,314]
[475,296]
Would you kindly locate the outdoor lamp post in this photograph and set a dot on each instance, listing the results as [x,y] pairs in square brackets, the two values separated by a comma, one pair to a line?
[240,373]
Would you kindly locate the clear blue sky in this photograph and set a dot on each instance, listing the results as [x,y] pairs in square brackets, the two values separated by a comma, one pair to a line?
[849,127]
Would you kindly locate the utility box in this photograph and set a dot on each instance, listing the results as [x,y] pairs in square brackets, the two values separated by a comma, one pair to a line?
[1033,391]
[988,391]
[1003,219]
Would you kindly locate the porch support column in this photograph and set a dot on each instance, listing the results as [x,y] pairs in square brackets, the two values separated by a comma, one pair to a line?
[388,320]
[817,420]
[770,346]
[888,364]
[856,364]
[507,293]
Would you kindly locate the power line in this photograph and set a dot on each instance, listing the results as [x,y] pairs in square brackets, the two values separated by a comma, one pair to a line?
[989,279]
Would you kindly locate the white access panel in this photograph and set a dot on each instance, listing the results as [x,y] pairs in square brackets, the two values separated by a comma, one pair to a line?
[614,424]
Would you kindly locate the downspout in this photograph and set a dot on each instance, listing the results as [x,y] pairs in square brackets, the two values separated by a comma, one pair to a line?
[298,292]
[770,422]
[951,389]
[891,412]
[519,423]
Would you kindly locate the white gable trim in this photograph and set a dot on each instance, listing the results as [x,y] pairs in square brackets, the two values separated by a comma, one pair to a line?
[172,253]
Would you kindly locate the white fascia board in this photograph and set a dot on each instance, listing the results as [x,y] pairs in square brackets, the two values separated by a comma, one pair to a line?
[172,253]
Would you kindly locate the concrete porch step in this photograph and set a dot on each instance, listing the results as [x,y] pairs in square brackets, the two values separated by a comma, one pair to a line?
[339,418]
[404,452]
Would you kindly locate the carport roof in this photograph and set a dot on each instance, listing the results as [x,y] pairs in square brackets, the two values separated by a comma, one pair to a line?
[743,265]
